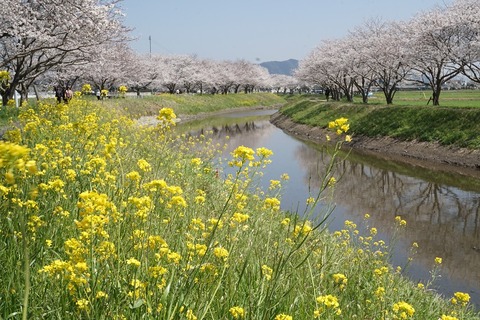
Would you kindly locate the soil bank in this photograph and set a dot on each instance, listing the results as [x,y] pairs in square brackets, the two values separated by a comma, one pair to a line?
[423,154]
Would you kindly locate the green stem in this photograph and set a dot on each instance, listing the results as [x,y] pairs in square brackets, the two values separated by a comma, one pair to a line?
[26,269]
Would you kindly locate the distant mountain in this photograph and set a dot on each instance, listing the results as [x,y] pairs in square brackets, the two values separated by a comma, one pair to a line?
[281,67]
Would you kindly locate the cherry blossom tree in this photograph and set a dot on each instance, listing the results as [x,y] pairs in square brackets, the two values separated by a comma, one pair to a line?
[223,76]
[111,68]
[174,70]
[467,13]
[36,36]
[382,48]
[143,72]
[357,64]
[436,48]
[248,75]
[330,66]
[282,83]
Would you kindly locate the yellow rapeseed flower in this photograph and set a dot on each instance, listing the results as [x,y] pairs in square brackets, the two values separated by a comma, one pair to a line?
[133,175]
[4,77]
[400,221]
[274,184]
[82,304]
[340,125]
[237,312]
[264,152]
[403,310]
[285,222]
[196,162]
[221,253]
[283,316]
[460,298]
[31,166]
[267,272]
[9,177]
[329,302]
[134,262]
[285,176]
[240,155]
[240,217]
[178,201]
[272,203]
[340,279]
[101,294]
[445,317]
[144,165]
[199,199]
[86,88]
[302,229]
[380,292]
[190,315]
[331,182]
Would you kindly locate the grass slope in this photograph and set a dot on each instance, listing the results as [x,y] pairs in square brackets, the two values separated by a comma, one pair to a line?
[457,126]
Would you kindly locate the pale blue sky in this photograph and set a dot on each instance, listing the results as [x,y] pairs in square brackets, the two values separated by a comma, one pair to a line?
[255,30]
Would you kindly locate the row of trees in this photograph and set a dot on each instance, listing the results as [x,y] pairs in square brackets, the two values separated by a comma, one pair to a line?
[431,49]
[67,43]
[173,73]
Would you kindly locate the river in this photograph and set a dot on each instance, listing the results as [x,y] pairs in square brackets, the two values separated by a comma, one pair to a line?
[442,210]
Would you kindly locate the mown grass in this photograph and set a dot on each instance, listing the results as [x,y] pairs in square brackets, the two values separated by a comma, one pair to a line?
[192,104]
[101,218]
[448,98]
[455,126]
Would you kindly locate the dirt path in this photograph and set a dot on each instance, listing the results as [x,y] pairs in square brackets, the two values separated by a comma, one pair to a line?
[423,154]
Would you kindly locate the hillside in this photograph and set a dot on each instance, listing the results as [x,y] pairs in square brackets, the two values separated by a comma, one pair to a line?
[281,67]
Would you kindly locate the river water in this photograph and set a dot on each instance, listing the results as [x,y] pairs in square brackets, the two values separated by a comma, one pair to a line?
[442,210]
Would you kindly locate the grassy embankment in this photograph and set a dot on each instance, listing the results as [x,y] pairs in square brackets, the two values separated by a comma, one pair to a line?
[102,219]
[456,122]
[185,104]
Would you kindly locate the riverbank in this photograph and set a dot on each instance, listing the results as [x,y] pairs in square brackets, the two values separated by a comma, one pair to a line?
[423,154]
[446,137]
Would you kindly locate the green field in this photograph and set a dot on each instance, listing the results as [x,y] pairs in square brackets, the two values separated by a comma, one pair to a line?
[448,98]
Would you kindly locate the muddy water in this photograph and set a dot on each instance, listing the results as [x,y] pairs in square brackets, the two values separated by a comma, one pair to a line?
[442,210]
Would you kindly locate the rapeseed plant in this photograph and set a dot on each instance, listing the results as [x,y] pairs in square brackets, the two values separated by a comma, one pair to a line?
[101,218]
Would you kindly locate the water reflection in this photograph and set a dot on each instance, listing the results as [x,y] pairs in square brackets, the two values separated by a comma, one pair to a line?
[442,219]
[441,210]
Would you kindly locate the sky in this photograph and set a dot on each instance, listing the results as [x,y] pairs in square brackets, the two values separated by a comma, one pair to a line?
[254,30]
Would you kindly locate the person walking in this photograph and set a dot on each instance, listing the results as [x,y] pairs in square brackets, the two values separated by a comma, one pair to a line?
[68,95]
[59,93]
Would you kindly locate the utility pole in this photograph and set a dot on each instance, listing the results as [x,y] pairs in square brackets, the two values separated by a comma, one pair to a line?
[150,40]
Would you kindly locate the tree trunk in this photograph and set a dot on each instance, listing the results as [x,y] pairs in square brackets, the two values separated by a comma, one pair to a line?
[23,94]
[37,97]
[436,95]
[389,94]
[4,98]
